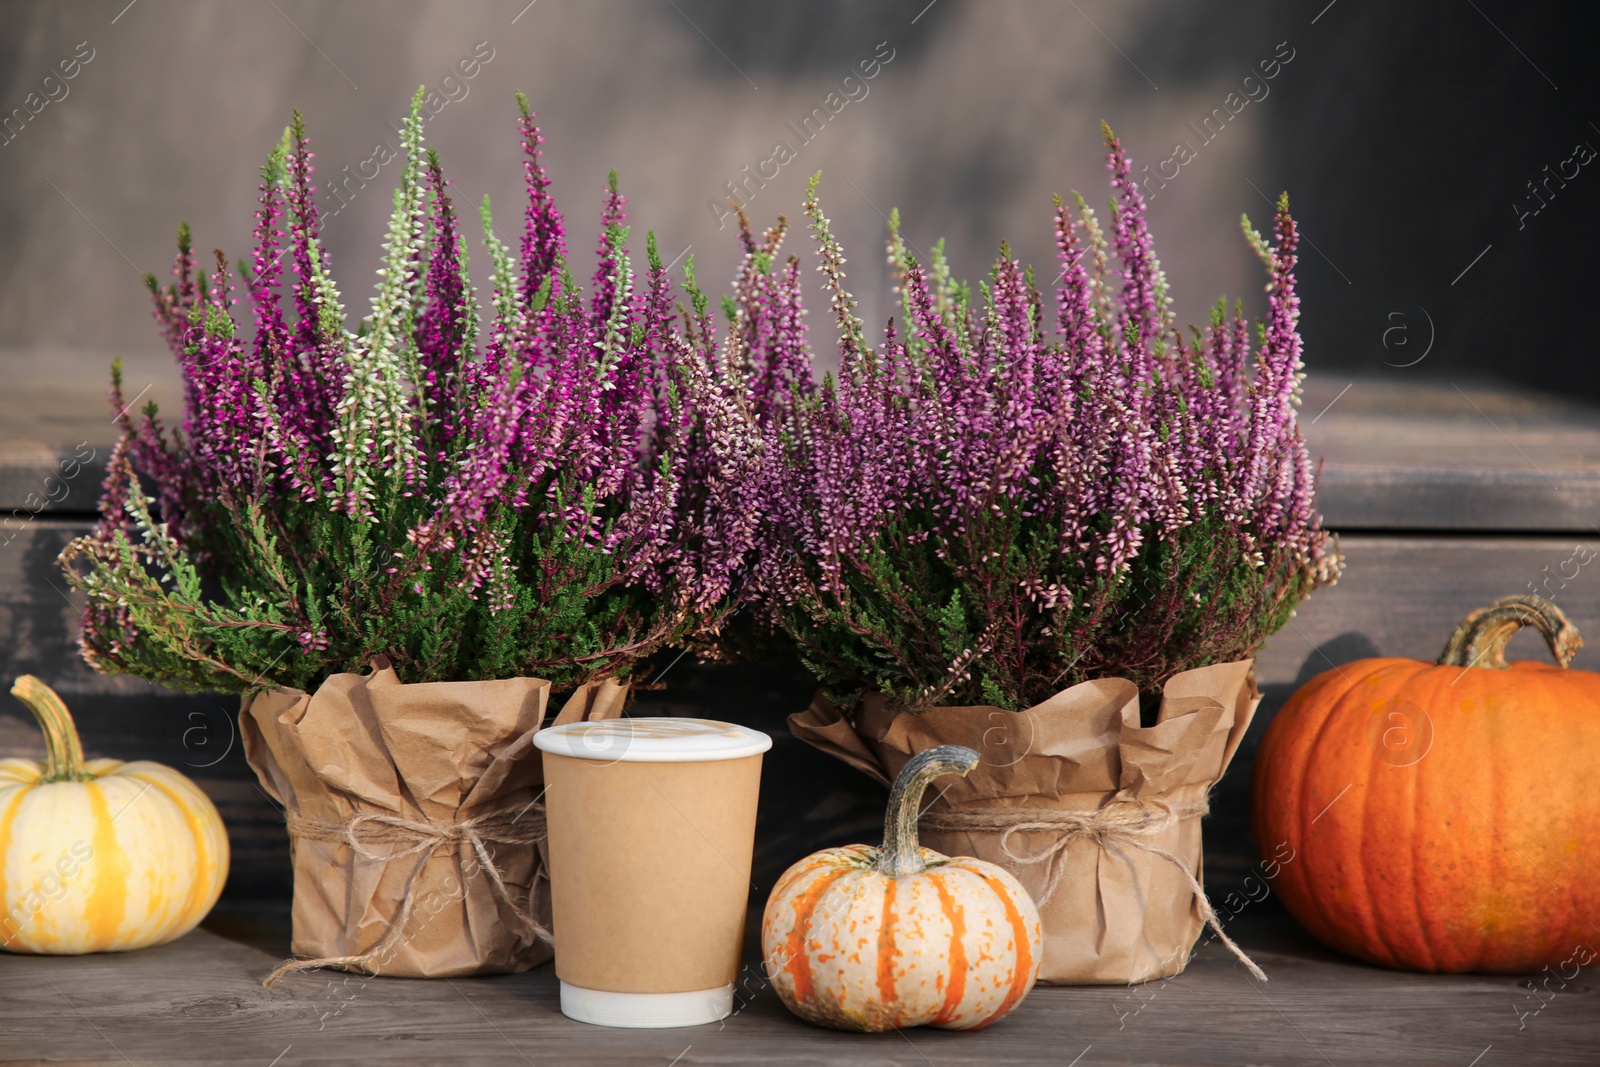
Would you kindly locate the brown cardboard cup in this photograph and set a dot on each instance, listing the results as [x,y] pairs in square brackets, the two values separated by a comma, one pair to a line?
[651,826]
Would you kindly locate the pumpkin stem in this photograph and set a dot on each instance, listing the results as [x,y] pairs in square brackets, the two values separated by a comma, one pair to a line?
[63,750]
[1480,640]
[901,855]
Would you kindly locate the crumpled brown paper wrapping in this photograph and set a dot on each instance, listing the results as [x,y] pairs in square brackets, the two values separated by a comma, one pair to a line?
[1118,914]
[432,752]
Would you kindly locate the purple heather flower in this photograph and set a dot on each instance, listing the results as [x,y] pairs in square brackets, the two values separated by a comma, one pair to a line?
[982,435]
[585,420]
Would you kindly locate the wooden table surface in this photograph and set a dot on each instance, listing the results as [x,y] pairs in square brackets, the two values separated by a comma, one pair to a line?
[200,1001]
[1446,498]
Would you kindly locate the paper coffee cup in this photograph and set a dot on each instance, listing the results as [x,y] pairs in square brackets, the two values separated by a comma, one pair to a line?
[651,827]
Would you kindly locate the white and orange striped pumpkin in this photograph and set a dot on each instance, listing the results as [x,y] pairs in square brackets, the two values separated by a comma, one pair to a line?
[863,938]
[100,855]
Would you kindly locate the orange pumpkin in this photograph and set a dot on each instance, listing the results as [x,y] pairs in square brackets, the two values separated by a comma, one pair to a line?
[863,938]
[1442,817]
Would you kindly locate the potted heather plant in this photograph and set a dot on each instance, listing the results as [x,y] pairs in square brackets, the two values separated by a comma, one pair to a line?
[477,515]
[1018,519]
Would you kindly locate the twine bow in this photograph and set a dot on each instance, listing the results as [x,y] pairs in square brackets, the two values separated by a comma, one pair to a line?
[1111,827]
[420,838]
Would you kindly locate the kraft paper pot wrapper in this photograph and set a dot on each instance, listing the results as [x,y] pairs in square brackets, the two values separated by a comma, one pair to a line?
[1114,912]
[651,831]
[390,790]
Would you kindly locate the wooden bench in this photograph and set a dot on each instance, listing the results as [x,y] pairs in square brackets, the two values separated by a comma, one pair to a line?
[1445,497]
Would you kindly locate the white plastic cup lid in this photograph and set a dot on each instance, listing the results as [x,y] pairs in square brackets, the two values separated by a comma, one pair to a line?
[653,740]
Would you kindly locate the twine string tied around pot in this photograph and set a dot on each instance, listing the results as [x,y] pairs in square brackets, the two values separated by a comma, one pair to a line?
[1129,823]
[524,826]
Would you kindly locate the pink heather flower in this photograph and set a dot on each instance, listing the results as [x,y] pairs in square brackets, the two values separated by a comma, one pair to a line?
[1060,498]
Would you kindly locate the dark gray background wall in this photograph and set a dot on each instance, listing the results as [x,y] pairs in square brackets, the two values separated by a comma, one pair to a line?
[1405,135]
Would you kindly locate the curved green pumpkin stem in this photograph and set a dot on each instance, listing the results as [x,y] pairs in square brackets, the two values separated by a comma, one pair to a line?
[1480,640]
[63,750]
[901,855]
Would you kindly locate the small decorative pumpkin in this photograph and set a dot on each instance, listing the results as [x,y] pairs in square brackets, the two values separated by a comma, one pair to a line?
[863,938]
[100,855]
[1442,817]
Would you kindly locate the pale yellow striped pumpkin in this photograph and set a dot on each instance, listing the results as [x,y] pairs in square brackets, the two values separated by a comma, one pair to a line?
[100,855]
[863,938]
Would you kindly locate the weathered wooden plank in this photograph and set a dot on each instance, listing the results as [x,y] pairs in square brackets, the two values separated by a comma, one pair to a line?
[1441,456]
[199,1000]
[1376,497]
[1399,596]
[1403,595]
[37,479]
[1396,454]
[56,426]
